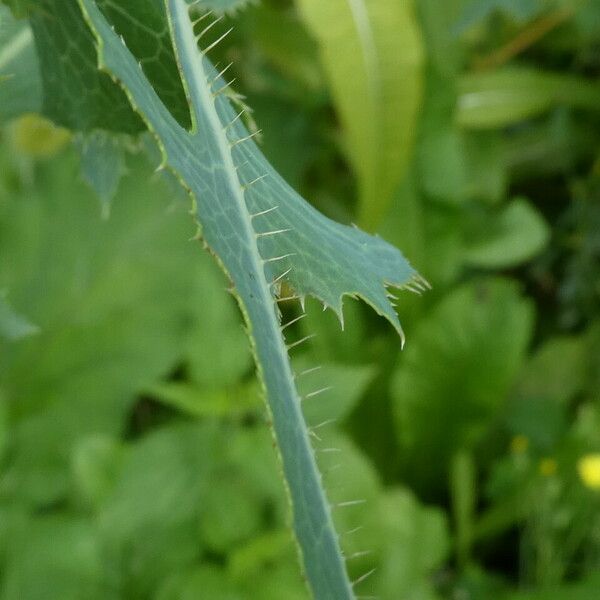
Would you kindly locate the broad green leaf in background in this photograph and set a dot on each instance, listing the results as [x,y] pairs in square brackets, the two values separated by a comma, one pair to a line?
[512,236]
[549,380]
[454,165]
[20,82]
[55,557]
[109,323]
[344,385]
[414,543]
[456,373]
[556,371]
[372,51]
[218,320]
[587,589]
[511,94]
[262,233]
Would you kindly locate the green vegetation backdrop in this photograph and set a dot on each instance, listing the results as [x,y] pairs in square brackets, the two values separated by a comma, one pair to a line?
[136,460]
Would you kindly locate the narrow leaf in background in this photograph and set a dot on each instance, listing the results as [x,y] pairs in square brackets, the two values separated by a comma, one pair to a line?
[373,54]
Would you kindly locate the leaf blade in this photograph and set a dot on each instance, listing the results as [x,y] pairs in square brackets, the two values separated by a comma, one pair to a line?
[373,54]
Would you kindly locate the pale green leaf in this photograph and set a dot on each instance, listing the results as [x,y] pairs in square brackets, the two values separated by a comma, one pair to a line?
[507,238]
[372,51]
[112,300]
[343,384]
[456,373]
[506,96]
[56,557]
[414,542]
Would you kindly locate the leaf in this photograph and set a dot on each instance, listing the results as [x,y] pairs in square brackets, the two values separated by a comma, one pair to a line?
[218,353]
[20,81]
[373,54]
[456,373]
[509,95]
[263,233]
[506,239]
[519,10]
[149,517]
[64,46]
[165,470]
[586,589]
[445,52]
[59,550]
[102,164]
[112,300]
[414,542]
[344,387]
[556,372]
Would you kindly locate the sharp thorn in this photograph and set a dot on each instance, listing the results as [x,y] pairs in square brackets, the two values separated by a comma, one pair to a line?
[245,139]
[235,119]
[363,577]
[308,371]
[200,19]
[304,339]
[221,73]
[274,232]
[284,327]
[325,423]
[264,212]
[349,503]
[359,554]
[277,258]
[209,48]
[208,28]
[313,434]
[280,277]
[247,185]
[225,87]
[316,393]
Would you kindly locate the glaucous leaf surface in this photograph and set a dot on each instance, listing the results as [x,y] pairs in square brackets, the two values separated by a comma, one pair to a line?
[264,234]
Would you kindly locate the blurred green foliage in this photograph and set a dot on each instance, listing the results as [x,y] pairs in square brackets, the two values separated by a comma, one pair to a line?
[135,461]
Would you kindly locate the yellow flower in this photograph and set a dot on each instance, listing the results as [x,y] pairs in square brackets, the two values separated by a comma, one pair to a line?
[548,467]
[588,468]
[519,444]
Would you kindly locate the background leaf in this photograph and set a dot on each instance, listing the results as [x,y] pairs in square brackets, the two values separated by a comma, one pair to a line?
[372,52]
[472,347]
